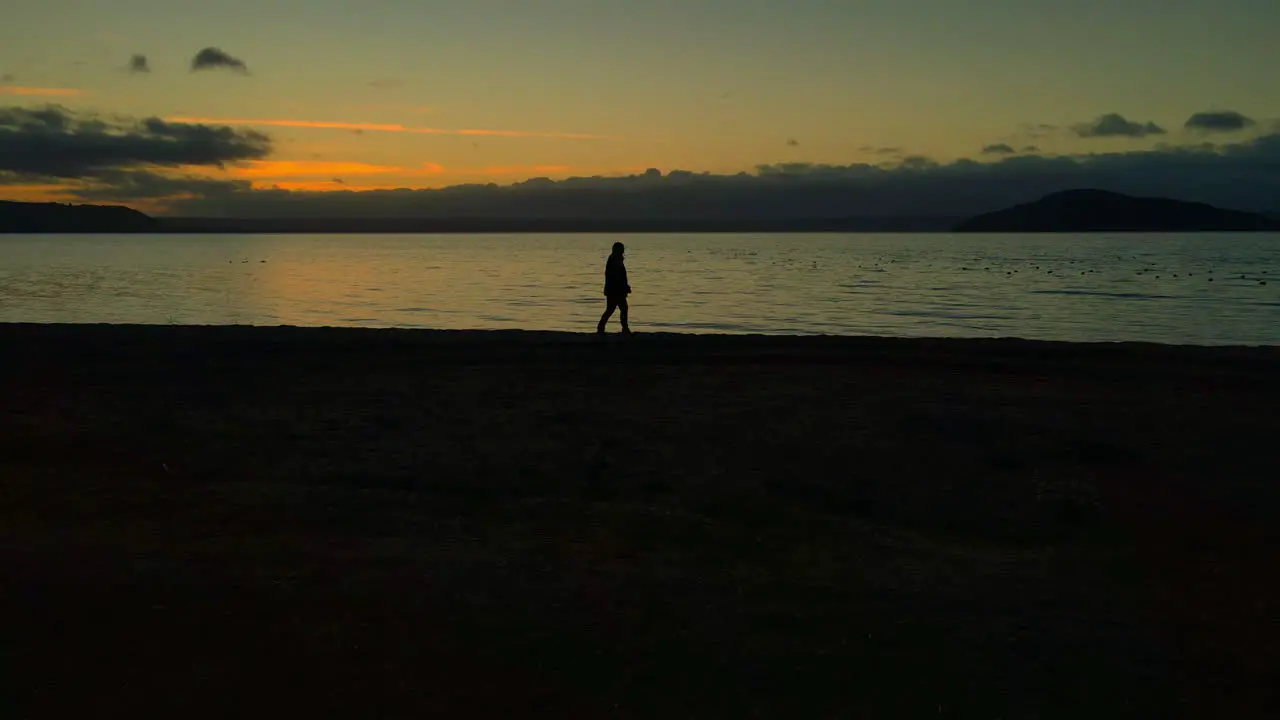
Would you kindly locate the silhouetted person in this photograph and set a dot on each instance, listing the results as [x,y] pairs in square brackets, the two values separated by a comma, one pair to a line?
[616,288]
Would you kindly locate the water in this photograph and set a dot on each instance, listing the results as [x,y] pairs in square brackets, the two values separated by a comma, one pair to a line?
[1199,289]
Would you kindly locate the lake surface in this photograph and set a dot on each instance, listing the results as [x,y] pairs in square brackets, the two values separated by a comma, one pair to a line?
[1197,288]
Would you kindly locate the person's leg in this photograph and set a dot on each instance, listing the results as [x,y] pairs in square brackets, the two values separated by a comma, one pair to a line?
[608,312]
[622,306]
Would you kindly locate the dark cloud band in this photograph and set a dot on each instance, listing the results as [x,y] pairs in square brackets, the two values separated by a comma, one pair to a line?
[54,142]
[1240,175]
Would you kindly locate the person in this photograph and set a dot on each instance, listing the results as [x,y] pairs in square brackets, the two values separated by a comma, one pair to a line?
[616,289]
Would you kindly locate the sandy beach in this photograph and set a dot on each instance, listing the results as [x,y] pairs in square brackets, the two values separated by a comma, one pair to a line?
[236,521]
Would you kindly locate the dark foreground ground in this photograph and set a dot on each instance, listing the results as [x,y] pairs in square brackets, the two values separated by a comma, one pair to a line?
[235,522]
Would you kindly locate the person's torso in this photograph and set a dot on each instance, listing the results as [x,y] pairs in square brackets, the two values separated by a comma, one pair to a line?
[615,274]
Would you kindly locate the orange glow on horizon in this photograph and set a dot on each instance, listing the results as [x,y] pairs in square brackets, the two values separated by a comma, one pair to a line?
[303,168]
[35,193]
[377,127]
[295,174]
[323,177]
[335,186]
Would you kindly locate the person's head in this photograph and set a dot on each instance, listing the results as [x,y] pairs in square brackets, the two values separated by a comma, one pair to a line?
[618,249]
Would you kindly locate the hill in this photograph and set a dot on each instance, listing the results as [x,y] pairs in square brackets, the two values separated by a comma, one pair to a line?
[1102,211]
[21,217]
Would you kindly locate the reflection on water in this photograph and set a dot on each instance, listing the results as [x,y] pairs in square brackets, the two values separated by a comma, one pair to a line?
[1203,289]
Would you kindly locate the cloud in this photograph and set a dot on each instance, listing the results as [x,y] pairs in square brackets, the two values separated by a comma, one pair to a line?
[890,150]
[1244,175]
[1218,121]
[7,78]
[1037,131]
[1030,149]
[139,64]
[792,142]
[54,142]
[379,127]
[400,107]
[39,91]
[998,149]
[518,170]
[384,84]
[1115,125]
[212,58]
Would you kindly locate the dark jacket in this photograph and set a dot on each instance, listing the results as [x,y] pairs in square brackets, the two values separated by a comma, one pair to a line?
[615,278]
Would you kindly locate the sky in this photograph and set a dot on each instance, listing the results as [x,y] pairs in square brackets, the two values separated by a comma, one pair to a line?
[326,96]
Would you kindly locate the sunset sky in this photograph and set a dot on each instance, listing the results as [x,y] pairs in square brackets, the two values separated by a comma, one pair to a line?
[425,94]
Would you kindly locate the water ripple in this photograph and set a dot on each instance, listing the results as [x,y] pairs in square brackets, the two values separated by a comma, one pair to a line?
[1203,288]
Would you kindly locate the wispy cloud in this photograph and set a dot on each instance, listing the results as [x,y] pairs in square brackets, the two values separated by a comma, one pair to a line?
[518,170]
[1037,131]
[35,192]
[380,127]
[1116,125]
[397,107]
[874,150]
[39,91]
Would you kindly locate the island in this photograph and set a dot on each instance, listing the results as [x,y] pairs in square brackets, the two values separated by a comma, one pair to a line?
[23,217]
[1088,210]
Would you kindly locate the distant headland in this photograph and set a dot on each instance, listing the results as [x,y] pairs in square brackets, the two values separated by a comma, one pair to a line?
[1070,211]
[21,217]
[1074,211]
[18,217]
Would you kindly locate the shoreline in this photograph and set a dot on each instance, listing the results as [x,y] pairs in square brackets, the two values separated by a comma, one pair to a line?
[522,336]
[482,523]
[504,347]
